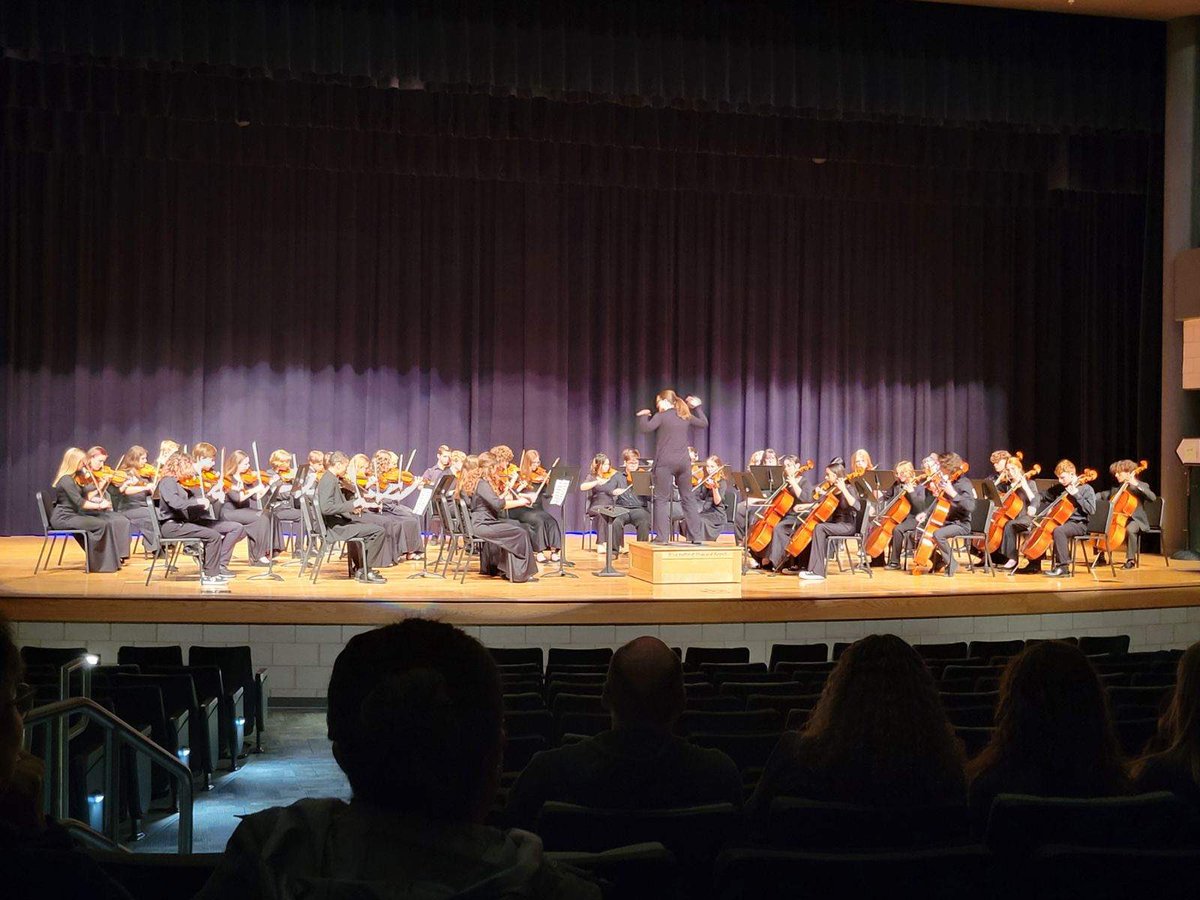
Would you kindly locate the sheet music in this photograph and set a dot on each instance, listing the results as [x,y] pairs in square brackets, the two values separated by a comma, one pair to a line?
[559,494]
[422,500]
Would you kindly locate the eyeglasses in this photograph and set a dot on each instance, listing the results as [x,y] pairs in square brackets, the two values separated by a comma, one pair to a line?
[23,698]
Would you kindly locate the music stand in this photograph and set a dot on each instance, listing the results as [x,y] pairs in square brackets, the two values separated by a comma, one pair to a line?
[987,488]
[424,501]
[268,499]
[609,514]
[769,478]
[885,480]
[559,481]
[747,488]
[643,486]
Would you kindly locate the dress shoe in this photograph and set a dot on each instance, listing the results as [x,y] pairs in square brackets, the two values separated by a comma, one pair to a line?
[1057,572]
[371,577]
[1130,564]
[895,567]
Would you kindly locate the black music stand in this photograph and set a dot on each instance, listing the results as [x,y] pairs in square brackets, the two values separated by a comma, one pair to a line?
[747,488]
[643,486]
[425,501]
[559,482]
[265,504]
[769,478]
[987,488]
[609,514]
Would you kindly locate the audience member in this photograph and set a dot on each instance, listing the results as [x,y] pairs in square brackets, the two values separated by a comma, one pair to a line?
[1176,768]
[416,720]
[877,737]
[639,763]
[1054,733]
[38,859]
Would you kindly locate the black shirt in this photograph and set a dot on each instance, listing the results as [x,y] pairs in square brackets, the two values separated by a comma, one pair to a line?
[672,434]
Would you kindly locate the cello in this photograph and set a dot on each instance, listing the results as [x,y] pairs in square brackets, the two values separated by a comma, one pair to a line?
[923,556]
[1060,511]
[1121,508]
[825,508]
[774,510]
[1012,504]
[893,514]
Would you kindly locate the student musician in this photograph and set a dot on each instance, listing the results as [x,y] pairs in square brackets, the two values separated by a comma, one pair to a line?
[1123,470]
[210,486]
[861,460]
[710,493]
[188,513]
[606,486]
[441,466]
[840,523]
[243,505]
[746,511]
[544,529]
[1013,478]
[770,457]
[507,549]
[957,488]
[357,483]
[286,507]
[385,467]
[343,518]
[775,556]
[999,460]
[906,482]
[165,449]
[1083,497]
[671,424]
[129,497]
[81,503]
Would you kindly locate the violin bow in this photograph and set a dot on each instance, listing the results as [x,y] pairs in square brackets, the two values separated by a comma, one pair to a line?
[542,486]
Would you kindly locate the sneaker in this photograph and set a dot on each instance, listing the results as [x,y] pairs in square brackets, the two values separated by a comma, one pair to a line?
[895,567]
[555,556]
[806,575]
[1011,564]
[541,557]
[371,577]
[600,549]
[1129,564]
[225,570]
[1057,572]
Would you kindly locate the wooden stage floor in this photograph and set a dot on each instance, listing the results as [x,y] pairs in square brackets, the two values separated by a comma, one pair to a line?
[66,594]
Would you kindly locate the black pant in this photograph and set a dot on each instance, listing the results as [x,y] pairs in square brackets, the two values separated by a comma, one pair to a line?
[372,537]
[218,538]
[638,518]
[942,537]
[1062,541]
[900,535]
[820,540]
[668,476]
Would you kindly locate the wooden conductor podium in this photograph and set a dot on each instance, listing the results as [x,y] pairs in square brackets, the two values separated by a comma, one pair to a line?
[684,563]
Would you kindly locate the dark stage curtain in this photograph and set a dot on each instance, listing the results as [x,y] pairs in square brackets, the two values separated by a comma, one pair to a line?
[358,266]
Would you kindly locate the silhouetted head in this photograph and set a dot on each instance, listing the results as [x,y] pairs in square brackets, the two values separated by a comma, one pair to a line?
[644,688]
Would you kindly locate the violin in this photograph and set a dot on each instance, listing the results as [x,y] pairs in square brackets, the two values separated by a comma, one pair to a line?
[1012,504]
[709,480]
[100,479]
[1060,511]
[893,514]
[923,556]
[774,510]
[697,473]
[250,478]
[192,481]
[1121,508]
[826,505]
[604,474]
[397,475]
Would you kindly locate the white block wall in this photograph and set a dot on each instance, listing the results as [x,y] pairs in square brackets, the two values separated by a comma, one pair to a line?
[300,657]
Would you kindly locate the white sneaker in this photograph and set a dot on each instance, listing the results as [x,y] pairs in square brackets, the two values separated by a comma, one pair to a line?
[806,575]
[625,550]
[541,557]
[600,549]
[555,556]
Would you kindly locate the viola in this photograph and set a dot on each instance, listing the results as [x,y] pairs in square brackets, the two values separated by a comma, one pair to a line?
[825,508]
[1121,508]
[1060,511]
[923,557]
[774,511]
[893,514]
[1012,504]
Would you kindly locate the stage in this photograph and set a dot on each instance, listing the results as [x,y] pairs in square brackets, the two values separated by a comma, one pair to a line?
[67,594]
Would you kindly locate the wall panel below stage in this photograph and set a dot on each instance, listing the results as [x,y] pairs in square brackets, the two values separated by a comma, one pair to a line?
[300,657]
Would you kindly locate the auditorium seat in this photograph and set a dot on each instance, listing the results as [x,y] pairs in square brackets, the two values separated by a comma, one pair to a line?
[797,719]
[576,656]
[51,656]
[979,698]
[745,688]
[840,647]
[238,671]
[715,670]
[989,649]
[1021,824]
[805,669]
[517,656]
[1114,645]
[522,723]
[759,677]
[158,876]
[755,721]
[715,704]
[181,699]
[1112,873]
[1152,679]
[646,871]
[956,650]
[150,656]
[527,700]
[695,657]
[519,669]
[953,873]
[797,653]
[587,724]
[795,823]
[565,702]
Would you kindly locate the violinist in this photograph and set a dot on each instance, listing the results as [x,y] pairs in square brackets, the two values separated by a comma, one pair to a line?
[999,460]
[775,556]
[286,507]
[861,461]
[242,489]
[710,494]
[357,483]
[458,459]
[544,529]
[950,477]
[507,549]
[434,473]
[1013,478]
[316,468]
[671,424]
[343,518]
[841,523]
[165,449]
[188,513]
[605,486]
[140,482]
[906,482]
[210,487]
[1125,473]
[387,487]
[1083,497]
[628,500]
[79,506]
[770,457]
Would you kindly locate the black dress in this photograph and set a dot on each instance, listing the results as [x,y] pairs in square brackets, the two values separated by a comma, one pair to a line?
[507,546]
[141,517]
[544,530]
[108,532]
[263,531]
[713,516]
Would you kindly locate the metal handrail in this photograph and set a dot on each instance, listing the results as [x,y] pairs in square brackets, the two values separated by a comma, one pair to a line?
[116,732]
